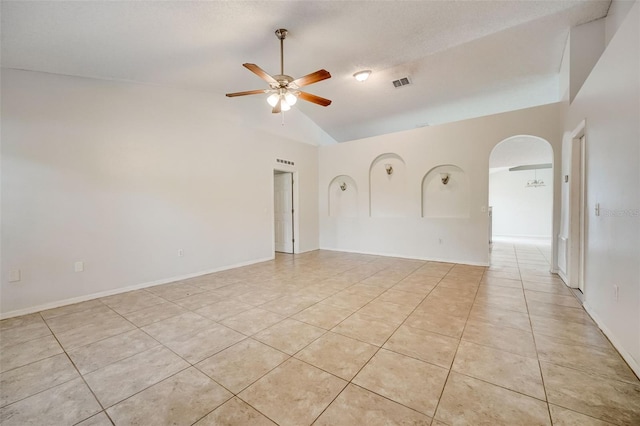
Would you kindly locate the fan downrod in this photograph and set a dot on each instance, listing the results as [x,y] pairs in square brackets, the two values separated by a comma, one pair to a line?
[281,34]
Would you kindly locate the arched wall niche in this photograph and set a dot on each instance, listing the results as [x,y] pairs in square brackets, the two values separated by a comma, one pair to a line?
[388,191]
[446,200]
[343,197]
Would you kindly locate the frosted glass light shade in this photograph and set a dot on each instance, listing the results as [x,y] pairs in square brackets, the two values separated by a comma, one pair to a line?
[290,98]
[284,105]
[273,99]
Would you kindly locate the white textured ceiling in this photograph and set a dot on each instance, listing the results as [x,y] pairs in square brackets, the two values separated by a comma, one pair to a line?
[465,58]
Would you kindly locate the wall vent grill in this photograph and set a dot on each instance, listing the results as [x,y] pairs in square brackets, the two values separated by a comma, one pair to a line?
[287,162]
[404,81]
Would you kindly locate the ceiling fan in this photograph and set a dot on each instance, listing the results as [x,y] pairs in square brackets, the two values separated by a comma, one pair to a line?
[283,89]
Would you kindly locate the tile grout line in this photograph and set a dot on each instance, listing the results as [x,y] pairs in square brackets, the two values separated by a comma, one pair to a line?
[236,395]
[379,347]
[153,384]
[82,377]
[303,361]
[435,411]
[373,355]
[533,335]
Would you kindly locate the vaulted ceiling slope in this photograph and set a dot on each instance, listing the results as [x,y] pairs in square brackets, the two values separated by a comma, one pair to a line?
[464,58]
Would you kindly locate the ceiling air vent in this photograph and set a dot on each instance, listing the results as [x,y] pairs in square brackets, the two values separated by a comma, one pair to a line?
[404,81]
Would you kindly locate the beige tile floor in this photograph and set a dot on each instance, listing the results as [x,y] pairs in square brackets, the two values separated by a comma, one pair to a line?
[323,338]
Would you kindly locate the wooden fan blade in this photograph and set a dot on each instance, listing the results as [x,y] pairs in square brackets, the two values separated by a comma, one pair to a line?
[314,99]
[249,92]
[314,77]
[260,73]
[278,108]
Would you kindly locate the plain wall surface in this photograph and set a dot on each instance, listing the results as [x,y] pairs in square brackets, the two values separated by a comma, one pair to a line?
[121,176]
[609,103]
[466,145]
[564,75]
[518,210]
[615,16]
[587,42]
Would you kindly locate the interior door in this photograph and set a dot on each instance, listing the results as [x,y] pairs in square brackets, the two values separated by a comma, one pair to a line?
[283,211]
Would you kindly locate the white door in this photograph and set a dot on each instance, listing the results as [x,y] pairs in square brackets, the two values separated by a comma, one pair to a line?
[283,211]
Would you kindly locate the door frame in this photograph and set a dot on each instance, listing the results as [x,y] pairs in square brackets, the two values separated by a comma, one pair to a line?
[296,209]
[553,183]
[577,208]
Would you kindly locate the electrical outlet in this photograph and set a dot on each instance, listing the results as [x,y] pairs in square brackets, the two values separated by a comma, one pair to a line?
[78,266]
[14,275]
[616,291]
[180,252]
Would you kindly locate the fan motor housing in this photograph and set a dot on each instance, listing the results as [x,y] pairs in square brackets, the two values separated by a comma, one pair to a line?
[284,80]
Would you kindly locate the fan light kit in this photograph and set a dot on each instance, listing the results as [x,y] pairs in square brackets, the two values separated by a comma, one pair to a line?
[283,89]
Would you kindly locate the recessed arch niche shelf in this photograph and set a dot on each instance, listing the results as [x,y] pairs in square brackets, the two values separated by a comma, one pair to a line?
[343,197]
[445,192]
[388,186]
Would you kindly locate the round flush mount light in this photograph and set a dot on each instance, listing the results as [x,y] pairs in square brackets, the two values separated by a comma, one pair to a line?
[362,76]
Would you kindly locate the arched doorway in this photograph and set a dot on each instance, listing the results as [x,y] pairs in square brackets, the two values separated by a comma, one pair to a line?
[521,191]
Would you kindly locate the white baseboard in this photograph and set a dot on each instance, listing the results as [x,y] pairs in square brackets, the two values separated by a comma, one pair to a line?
[545,238]
[563,277]
[614,341]
[404,256]
[307,251]
[106,293]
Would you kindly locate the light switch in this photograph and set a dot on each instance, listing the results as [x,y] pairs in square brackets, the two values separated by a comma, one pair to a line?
[78,266]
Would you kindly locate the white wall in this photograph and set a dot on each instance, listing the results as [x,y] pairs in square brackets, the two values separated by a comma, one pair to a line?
[615,16]
[609,102]
[467,145]
[519,211]
[121,176]
[587,42]
[564,75]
